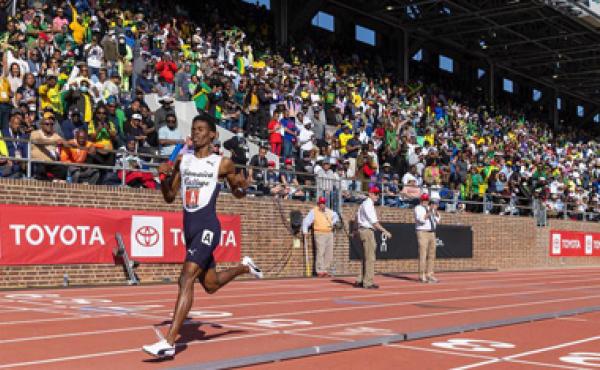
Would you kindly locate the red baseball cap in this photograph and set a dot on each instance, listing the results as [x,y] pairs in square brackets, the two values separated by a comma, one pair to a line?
[374,190]
[425,196]
[322,200]
[288,161]
[271,164]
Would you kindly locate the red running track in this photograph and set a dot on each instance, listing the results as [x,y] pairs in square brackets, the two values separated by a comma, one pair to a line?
[104,328]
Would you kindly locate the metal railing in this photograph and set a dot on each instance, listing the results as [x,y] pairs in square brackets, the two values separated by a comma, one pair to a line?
[335,194]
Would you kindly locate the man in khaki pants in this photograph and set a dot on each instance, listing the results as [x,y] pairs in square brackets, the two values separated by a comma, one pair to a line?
[367,221]
[426,220]
[323,220]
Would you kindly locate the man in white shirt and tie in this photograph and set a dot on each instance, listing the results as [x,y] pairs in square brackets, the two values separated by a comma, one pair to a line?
[367,221]
[427,218]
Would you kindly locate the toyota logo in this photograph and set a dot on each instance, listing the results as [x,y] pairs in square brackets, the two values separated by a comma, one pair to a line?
[147,236]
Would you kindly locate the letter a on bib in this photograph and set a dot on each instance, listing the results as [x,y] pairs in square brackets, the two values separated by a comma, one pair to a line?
[207,237]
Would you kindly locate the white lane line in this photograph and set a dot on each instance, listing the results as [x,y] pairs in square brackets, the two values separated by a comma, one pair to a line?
[384,294]
[436,314]
[171,289]
[399,304]
[18,322]
[328,337]
[545,365]
[572,319]
[127,329]
[552,348]
[516,357]
[130,350]
[148,316]
[541,291]
[421,290]
[477,364]
[433,350]
[81,333]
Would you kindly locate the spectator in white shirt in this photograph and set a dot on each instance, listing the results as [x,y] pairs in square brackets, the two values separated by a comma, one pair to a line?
[305,138]
[169,135]
[367,221]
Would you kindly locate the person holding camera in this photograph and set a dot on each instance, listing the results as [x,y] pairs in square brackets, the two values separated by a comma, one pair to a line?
[238,146]
[323,221]
[427,218]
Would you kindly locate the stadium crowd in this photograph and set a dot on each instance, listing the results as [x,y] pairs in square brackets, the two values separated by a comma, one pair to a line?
[74,77]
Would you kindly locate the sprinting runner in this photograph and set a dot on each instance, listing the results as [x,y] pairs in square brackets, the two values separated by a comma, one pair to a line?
[198,176]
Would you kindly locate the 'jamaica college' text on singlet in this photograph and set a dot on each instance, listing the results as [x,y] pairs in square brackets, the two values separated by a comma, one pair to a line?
[199,189]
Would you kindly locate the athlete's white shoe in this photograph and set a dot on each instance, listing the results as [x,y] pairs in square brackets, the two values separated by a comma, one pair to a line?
[254,270]
[160,349]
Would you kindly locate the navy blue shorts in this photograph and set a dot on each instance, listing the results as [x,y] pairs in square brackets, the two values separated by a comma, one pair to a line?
[200,249]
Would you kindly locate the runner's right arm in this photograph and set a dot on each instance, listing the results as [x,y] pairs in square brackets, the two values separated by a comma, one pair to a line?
[170,185]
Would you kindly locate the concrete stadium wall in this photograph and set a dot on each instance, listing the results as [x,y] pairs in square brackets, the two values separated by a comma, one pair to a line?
[499,242]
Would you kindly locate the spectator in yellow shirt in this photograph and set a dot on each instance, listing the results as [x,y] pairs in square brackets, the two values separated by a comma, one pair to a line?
[77,27]
[344,137]
[50,94]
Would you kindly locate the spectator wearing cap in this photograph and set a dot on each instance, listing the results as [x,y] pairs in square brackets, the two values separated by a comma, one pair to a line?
[289,180]
[327,181]
[427,218]
[272,180]
[367,222]
[50,94]
[45,143]
[169,135]
[72,123]
[79,97]
[323,221]
[166,108]
[290,136]
[133,129]
[275,138]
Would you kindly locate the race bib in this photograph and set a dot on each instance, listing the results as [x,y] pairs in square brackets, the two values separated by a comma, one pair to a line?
[192,195]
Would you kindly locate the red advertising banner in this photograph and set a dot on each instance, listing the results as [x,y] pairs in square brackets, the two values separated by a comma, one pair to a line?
[63,235]
[574,244]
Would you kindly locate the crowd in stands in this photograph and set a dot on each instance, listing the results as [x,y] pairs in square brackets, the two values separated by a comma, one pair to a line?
[75,75]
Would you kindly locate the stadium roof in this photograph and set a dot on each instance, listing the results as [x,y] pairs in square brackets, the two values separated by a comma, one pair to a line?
[553,42]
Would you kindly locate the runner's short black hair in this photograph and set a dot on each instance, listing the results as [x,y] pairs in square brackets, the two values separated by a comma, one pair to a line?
[203,116]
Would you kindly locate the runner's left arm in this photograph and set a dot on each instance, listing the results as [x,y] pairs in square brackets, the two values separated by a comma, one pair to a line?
[237,181]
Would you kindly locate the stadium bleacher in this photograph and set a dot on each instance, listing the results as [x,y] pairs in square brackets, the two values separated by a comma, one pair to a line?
[83,79]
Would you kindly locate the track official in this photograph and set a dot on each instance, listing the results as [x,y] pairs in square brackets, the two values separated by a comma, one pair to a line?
[367,222]
[323,220]
[427,218]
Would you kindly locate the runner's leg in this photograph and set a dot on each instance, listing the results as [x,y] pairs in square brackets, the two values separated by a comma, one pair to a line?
[212,280]
[185,298]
